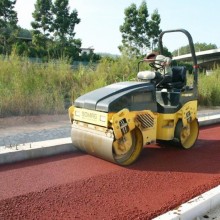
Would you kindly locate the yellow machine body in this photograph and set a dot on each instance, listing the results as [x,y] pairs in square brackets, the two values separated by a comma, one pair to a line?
[116,121]
[101,134]
[167,122]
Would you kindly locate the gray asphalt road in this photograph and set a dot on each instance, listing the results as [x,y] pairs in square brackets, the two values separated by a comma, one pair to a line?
[34,136]
[20,130]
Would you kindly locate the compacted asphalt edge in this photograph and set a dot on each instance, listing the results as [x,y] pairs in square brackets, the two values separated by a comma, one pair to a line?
[192,209]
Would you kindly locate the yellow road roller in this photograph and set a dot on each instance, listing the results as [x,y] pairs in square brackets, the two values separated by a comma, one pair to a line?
[116,121]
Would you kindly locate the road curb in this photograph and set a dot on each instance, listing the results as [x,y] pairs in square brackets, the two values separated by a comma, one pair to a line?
[195,207]
[35,150]
[209,120]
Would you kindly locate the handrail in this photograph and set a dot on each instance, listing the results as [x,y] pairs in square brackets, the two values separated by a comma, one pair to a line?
[192,49]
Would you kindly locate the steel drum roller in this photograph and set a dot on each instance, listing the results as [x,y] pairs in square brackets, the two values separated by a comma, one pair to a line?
[96,143]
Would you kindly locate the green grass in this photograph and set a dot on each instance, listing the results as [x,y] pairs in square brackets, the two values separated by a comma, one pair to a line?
[209,89]
[86,79]
[28,88]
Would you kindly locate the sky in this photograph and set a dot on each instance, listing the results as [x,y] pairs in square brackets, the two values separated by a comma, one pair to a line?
[101,19]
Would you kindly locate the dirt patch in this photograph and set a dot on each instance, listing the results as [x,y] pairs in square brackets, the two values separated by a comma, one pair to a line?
[25,124]
[34,119]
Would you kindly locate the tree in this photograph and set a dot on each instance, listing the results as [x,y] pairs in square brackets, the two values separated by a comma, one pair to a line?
[138,32]
[8,24]
[22,45]
[24,33]
[42,24]
[154,28]
[64,25]
[53,26]
[65,21]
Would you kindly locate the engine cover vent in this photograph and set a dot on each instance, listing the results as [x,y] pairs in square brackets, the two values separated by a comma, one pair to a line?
[146,120]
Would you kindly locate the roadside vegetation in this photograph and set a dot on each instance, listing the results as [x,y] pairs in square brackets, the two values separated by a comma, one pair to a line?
[28,88]
[49,87]
[209,89]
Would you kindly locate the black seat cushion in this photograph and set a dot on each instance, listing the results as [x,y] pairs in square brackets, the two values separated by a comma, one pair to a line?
[178,78]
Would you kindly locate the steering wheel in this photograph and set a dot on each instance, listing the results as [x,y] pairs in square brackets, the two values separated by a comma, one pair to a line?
[156,66]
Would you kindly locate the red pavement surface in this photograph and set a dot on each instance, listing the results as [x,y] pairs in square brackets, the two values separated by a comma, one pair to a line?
[79,186]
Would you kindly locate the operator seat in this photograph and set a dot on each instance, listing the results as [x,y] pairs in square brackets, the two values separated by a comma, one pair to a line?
[178,78]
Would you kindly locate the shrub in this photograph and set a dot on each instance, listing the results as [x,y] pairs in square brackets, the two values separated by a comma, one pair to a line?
[209,89]
[28,88]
